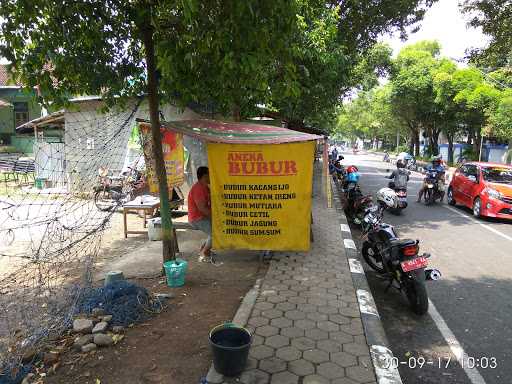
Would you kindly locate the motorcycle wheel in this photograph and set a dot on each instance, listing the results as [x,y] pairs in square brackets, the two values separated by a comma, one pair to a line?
[395,211]
[372,257]
[416,293]
[103,201]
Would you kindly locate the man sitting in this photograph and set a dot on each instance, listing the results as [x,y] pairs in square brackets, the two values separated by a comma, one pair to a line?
[200,212]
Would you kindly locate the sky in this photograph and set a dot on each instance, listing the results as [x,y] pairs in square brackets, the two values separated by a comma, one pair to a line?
[446,23]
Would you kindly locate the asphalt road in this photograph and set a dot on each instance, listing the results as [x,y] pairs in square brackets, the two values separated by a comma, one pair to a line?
[474,297]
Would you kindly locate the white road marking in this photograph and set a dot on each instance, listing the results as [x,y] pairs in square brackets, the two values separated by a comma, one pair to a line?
[472,373]
[385,370]
[488,227]
[355,266]
[349,243]
[366,302]
[344,228]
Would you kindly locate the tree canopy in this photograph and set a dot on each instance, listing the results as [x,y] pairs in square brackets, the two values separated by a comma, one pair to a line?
[493,16]
[429,93]
[297,58]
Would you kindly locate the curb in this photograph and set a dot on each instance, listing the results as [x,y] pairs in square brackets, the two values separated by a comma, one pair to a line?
[241,318]
[374,331]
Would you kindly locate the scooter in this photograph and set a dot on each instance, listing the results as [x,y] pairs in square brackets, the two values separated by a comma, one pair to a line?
[401,194]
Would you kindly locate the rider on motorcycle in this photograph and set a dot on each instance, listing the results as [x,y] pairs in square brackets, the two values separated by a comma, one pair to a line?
[336,169]
[400,176]
[435,166]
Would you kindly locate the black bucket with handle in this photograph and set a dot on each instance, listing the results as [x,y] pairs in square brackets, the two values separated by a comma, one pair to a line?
[230,347]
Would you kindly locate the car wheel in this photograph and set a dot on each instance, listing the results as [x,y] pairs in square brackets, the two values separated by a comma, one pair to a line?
[477,207]
[450,198]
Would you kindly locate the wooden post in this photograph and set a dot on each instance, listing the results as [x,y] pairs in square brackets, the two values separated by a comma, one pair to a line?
[165,209]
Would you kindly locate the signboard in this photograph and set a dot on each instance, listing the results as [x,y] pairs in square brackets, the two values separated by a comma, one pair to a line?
[172,147]
[261,195]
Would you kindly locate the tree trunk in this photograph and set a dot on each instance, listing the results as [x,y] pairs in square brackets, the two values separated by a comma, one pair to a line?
[152,89]
[417,144]
[471,135]
[434,143]
[412,142]
[476,143]
[237,115]
[450,148]
[508,156]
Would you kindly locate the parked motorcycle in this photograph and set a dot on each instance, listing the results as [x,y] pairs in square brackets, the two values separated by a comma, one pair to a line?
[435,186]
[113,191]
[358,207]
[354,200]
[397,260]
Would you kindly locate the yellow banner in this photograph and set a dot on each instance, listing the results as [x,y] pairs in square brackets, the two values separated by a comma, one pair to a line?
[261,195]
[172,148]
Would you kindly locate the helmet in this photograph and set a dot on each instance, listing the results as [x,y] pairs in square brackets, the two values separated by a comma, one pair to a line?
[388,197]
[351,169]
[352,177]
[436,159]
[400,164]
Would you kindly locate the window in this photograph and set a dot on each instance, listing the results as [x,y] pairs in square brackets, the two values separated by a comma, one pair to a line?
[470,170]
[90,143]
[20,114]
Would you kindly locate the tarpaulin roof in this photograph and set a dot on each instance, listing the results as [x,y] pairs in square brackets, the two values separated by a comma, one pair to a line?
[237,133]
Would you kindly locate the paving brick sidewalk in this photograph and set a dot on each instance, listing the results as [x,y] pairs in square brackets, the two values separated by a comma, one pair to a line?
[306,321]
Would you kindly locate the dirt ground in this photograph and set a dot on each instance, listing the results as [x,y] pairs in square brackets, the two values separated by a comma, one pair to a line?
[173,346]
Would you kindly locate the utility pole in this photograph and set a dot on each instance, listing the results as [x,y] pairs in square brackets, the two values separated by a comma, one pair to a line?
[169,251]
[397,139]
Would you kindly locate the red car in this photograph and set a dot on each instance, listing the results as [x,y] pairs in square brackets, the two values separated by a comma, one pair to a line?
[484,187]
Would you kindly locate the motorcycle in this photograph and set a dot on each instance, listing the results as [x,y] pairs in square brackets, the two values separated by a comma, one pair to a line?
[113,191]
[411,164]
[435,187]
[386,158]
[358,206]
[397,260]
[401,194]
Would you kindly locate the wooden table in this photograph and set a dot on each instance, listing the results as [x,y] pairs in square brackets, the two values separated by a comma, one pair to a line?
[148,207]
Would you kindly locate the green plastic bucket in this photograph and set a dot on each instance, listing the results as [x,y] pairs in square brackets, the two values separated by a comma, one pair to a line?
[175,271]
[39,183]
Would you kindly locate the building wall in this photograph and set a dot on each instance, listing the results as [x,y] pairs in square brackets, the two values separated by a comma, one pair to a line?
[94,139]
[7,123]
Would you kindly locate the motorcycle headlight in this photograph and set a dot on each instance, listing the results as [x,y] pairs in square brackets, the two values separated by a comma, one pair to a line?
[493,193]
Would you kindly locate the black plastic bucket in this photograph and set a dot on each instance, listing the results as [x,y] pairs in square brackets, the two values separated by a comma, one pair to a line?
[230,346]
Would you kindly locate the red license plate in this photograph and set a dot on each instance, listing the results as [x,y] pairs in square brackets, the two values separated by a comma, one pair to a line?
[411,265]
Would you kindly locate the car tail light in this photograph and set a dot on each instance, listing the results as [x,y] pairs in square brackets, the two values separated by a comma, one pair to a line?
[410,250]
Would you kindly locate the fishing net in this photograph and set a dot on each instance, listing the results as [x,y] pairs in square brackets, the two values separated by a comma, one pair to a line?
[51,228]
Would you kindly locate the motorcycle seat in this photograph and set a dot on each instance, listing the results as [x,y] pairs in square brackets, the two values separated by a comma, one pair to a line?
[402,242]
